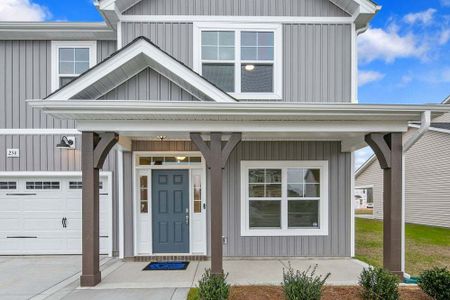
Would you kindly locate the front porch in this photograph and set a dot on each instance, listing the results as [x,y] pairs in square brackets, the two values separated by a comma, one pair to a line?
[253,271]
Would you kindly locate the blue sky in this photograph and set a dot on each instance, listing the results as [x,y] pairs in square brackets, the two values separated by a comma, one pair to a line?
[404,57]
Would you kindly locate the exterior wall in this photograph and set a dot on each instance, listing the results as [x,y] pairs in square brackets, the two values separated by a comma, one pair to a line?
[316,58]
[336,244]
[426,189]
[237,8]
[442,119]
[149,85]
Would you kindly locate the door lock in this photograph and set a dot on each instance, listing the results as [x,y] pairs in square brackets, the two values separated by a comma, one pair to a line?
[187,219]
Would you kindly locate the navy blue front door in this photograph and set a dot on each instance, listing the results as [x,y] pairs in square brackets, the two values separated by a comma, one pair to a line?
[170,211]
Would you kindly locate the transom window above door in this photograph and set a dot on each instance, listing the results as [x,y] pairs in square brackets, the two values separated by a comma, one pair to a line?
[244,61]
[70,59]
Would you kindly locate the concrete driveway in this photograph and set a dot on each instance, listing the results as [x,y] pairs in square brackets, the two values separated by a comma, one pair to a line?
[24,277]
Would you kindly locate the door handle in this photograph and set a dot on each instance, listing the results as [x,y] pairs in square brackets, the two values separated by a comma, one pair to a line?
[187,219]
[64,222]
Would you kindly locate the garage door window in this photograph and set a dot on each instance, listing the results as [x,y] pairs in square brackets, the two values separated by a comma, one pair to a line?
[78,185]
[8,185]
[43,185]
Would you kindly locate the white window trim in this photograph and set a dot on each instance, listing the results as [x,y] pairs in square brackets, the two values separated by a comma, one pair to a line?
[284,231]
[277,29]
[56,45]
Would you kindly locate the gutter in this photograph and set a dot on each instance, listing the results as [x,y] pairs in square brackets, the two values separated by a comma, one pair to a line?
[424,128]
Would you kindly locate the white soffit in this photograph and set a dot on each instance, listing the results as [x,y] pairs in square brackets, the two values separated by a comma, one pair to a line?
[128,62]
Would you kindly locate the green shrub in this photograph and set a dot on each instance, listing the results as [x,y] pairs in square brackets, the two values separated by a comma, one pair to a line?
[303,285]
[213,287]
[379,284]
[436,283]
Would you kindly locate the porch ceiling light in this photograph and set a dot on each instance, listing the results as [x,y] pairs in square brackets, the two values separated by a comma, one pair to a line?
[161,137]
[249,67]
[180,158]
[66,143]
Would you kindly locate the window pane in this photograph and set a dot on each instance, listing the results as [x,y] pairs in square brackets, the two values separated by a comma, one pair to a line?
[256,176]
[303,213]
[65,80]
[66,68]
[226,53]
[258,79]
[248,38]
[273,175]
[256,190]
[82,54]
[226,38]
[81,67]
[197,207]
[265,214]
[295,190]
[221,75]
[265,53]
[312,190]
[312,176]
[265,39]
[295,175]
[273,190]
[66,54]
[145,161]
[249,53]
[209,38]
[209,52]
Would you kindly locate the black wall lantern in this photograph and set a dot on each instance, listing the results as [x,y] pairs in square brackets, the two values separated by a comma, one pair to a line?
[67,143]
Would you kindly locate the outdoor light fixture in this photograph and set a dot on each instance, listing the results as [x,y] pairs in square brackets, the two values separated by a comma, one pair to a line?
[249,67]
[180,158]
[67,143]
[161,137]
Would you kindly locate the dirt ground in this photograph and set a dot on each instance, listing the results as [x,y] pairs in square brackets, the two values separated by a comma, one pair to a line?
[330,293]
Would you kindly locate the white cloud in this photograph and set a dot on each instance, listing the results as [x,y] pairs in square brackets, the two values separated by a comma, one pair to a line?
[405,80]
[388,45]
[425,17]
[365,77]
[445,2]
[361,156]
[444,37]
[22,10]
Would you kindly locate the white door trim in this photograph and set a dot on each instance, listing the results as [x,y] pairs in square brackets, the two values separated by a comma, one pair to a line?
[136,207]
[74,174]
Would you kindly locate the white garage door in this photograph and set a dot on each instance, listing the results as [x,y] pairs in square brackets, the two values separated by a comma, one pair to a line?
[42,215]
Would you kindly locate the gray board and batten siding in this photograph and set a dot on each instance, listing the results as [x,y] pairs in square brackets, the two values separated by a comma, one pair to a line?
[316,57]
[336,244]
[307,8]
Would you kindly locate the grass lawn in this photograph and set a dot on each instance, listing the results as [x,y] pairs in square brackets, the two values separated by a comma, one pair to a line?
[426,246]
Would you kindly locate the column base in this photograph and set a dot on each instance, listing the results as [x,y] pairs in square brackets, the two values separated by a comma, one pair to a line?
[90,280]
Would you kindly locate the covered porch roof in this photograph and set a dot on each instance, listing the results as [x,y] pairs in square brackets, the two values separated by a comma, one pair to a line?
[348,123]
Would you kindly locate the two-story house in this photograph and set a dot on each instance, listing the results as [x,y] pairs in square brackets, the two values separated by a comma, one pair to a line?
[221,128]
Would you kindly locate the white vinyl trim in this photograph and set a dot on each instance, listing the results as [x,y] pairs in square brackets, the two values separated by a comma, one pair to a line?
[120,199]
[237,19]
[38,131]
[352,206]
[354,68]
[284,230]
[56,45]
[277,61]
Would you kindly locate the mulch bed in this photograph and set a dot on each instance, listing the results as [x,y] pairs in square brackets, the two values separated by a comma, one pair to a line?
[330,293]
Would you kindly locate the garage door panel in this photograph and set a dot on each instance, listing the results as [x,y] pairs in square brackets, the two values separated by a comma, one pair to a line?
[39,214]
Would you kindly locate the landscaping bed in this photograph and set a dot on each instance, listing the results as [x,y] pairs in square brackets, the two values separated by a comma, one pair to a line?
[329,293]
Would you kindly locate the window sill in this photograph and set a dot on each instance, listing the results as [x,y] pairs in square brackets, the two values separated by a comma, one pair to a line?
[256,96]
[286,232]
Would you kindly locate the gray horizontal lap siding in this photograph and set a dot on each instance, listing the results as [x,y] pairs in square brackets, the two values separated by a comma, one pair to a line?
[237,8]
[149,85]
[316,58]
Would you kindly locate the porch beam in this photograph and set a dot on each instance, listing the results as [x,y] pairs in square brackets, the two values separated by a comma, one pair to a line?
[388,149]
[216,158]
[95,149]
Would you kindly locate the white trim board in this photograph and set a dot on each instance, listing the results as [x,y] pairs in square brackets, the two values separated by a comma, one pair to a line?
[39,131]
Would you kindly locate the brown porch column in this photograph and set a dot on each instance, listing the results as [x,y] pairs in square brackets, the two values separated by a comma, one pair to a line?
[95,149]
[389,149]
[216,158]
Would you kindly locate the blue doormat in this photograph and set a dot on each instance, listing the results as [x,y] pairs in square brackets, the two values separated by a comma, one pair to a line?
[167,266]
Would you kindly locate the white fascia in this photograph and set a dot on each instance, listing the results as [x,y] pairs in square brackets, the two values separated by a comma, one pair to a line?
[152,52]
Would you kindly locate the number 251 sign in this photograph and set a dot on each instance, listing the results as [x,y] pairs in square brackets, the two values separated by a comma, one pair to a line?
[11,153]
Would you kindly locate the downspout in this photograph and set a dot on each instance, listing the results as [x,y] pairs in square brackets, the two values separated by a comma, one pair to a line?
[424,127]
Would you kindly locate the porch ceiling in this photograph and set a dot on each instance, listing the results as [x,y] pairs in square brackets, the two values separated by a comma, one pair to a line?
[348,123]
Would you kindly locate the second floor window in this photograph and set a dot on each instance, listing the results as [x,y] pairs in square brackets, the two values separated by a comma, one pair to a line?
[245,62]
[70,59]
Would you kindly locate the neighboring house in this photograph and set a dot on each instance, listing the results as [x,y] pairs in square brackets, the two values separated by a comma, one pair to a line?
[427,193]
[222,128]
[363,197]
